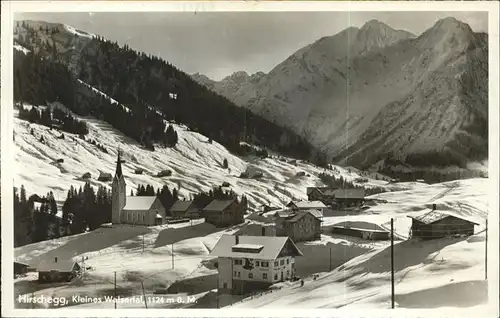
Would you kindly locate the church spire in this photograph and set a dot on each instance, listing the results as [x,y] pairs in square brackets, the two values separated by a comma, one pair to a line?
[118,172]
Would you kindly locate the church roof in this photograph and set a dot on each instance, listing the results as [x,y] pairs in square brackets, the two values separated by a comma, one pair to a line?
[139,202]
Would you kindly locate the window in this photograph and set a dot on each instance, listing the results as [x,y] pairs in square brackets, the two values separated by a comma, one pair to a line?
[287,261]
[238,262]
[275,276]
[276,263]
[264,264]
[264,275]
[282,262]
[257,264]
[287,273]
[237,274]
[250,275]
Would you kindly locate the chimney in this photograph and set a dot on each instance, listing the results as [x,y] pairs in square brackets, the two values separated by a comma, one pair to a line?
[263,231]
[55,259]
[237,237]
[434,207]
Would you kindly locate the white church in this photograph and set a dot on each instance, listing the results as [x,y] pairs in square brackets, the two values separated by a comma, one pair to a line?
[138,210]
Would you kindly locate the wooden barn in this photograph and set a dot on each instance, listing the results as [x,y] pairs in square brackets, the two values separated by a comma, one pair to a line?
[366,232]
[435,224]
[105,177]
[350,197]
[223,213]
[323,194]
[299,225]
[57,271]
[184,209]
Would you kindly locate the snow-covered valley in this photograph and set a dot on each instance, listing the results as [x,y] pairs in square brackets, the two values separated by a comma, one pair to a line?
[173,259]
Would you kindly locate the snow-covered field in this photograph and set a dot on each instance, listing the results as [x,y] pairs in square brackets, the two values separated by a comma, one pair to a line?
[441,273]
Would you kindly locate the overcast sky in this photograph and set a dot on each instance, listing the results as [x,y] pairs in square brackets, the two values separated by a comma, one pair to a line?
[218,44]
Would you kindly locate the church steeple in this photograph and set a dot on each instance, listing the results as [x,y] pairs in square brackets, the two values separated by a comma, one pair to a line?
[118,195]
[118,172]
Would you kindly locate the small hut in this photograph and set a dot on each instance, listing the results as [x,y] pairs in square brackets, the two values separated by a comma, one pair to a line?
[105,177]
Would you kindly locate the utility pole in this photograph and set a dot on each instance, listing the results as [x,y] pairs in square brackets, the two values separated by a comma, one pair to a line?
[486,254]
[115,290]
[330,259]
[144,295]
[218,305]
[392,263]
[172,255]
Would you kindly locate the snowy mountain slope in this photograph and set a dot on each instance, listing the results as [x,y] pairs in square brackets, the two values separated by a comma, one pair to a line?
[196,165]
[346,92]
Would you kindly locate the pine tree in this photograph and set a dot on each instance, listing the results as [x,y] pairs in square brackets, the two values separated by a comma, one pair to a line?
[225,165]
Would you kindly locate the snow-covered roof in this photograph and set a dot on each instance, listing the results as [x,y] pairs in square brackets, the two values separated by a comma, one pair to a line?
[360,226]
[60,266]
[181,206]
[433,216]
[272,246]
[139,202]
[309,204]
[218,205]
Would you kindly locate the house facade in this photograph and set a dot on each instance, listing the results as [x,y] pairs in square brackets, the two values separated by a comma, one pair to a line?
[57,271]
[136,210]
[250,263]
[435,224]
[222,213]
[299,226]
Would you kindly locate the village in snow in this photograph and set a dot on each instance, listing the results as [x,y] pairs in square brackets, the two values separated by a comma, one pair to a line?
[135,186]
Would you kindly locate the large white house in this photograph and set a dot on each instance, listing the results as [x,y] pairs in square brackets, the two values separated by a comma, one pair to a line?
[140,210]
[249,263]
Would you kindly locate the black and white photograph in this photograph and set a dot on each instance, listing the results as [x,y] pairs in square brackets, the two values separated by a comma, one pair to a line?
[250,159]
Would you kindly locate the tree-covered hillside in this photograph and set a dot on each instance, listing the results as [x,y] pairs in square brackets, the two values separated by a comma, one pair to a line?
[151,88]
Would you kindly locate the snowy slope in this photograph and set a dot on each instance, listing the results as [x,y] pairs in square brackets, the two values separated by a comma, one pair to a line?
[444,273]
[196,165]
[375,90]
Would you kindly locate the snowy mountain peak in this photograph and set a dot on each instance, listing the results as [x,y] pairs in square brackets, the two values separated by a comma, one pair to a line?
[374,24]
[237,77]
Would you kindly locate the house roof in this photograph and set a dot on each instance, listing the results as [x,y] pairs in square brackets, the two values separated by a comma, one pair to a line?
[272,246]
[60,266]
[433,216]
[218,205]
[181,206]
[349,193]
[139,202]
[21,263]
[309,204]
